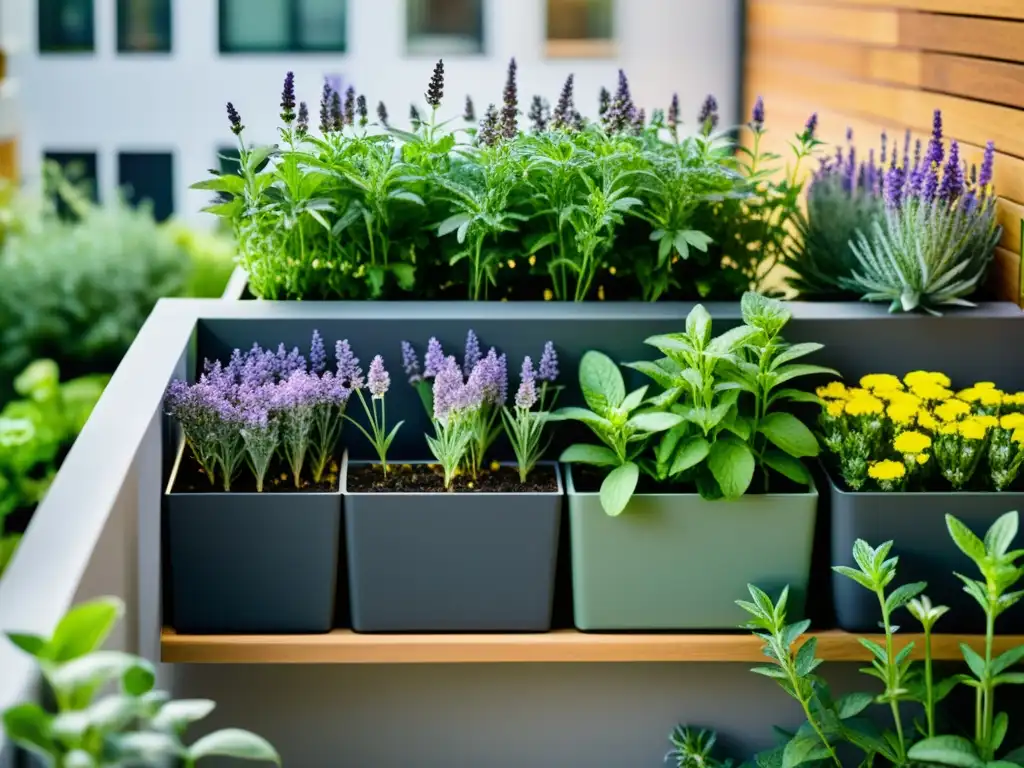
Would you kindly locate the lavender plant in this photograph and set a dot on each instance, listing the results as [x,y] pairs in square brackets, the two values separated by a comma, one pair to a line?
[455,404]
[524,425]
[378,381]
[489,377]
[935,241]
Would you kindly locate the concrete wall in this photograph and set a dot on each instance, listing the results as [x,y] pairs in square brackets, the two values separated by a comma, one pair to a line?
[107,102]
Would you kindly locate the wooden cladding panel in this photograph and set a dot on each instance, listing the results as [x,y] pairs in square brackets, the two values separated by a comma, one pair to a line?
[986,38]
[1008,9]
[850,24]
[981,79]
[8,159]
[847,60]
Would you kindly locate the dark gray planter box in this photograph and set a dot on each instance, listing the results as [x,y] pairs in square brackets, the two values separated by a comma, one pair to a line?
[916,524]
[252,563]
[451,562]
[679,562]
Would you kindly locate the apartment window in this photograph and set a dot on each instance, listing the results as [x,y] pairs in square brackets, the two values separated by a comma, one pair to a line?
[439,27]
[581,28]
[79,168]
[65,26]
[227,160]
[148,177]
[144,26]
[271,26]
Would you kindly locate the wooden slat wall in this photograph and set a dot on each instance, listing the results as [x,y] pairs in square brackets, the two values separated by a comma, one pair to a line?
[874,65]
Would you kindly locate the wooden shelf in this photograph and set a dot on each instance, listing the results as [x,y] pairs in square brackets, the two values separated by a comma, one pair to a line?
[346,647]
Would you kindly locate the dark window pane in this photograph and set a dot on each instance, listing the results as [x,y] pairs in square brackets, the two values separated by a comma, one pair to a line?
[227,160]
[260,26]
[580,19]
[148,176]
[65,26]
[79,168]
[438,27]
[144,25]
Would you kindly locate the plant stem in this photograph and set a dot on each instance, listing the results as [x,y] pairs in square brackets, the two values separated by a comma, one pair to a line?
[890,684]
[985,747]
[929,702]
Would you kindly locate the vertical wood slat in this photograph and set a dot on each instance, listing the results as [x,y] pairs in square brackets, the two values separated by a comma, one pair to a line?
[8,160]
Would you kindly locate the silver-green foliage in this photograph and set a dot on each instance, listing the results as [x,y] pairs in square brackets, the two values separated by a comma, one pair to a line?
[132,725]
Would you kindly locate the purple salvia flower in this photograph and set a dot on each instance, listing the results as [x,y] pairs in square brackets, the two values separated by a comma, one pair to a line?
[604,103]
[235,119]
[317,353]
[539,114]
[362,111]
[952,176]
[469,112]
[378,380]
[526,395]
[639,121]
[757,115]
[578,123]
[622,113]
[935,152]
[673,112]
[987,164]
[350,105]
[288,99]
[326,122]
[707,118]
[410,363]
[447,389]
[337,115]
[548,363]
[488,134]
[435,88]
[850,169]
[564,107]
[349,372]
[894,187]
[486,378]
[885,146]
[302,126]
[473,354]
[917,153]
[510,104]
[434,359]
[811,126]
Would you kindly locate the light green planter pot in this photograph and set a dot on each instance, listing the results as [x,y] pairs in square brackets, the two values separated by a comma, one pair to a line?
[676,561]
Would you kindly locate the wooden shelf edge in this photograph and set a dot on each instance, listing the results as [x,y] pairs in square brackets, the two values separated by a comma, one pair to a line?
[561,646]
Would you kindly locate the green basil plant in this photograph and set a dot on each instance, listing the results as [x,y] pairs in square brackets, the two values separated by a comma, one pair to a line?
[720,419]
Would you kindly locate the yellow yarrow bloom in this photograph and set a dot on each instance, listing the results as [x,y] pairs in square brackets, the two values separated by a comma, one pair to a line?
[1012,421]
[863,405]
[986,420]
[834,389]
[972,429]
[922,458]
[984,385]
[835,408]
[1017,398]
[927,420]
[951,410]
[887,470]
[1018,436]
[930,390]
[912,442]
[951,428]
[902,414]
[881,381]
[915,378]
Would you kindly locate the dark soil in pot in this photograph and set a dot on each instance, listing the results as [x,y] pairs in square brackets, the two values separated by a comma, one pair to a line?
[429,478]
[192,479]
[587,479]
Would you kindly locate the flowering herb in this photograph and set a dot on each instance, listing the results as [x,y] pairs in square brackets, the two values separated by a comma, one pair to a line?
[489,377]
[377,383]
[455,404]
[524,425]
[916,433]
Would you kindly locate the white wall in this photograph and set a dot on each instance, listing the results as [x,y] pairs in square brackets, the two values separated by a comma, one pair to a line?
[158,102]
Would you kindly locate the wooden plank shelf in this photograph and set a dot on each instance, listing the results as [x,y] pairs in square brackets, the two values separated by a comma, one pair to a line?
[346,647]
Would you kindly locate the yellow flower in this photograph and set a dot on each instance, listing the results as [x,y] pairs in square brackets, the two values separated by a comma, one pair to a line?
[972,429]
[834,389]
[835,408]
[902,413]
[921,458]
[532,260]
[863,405]
[991,397]
[1012,421]
[984,385]
[930,390]
[926,420]
[914,378]
[881,381]
[886,470]
[548,294]
[1017,398]
[905,397]
[1018,436]
[912,442]
[611,270]
[853,392]
[949,429]
[951,410]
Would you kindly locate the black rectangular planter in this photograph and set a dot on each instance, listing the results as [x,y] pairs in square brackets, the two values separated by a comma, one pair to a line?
[916,524]
[252,563]
[452,562]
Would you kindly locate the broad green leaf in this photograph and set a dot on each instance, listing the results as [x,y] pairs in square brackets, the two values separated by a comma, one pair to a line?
[1007,659]
[731,341]
[787,466]
[853,704]
[542,242]
[33,645]
[405,196]
[805,661]
[965,539]
[83,629]
[634,399]
[795,351]
[114,712]
[689,453]
[582,453]
[698,325]
[657,373]
[618,487]
[101,667]
[954,751]
[231,183]
[776,673]
[78,758]
[670,343]
[903,595]
[732,465]
[572,413]
[452,223]
[147,747]
[804,749]
[28,725]
[175,715]
[697,239]
[974,660]
[1010,678]
[1000,536]
[664,249]
[601,382]
[790,372]
[654,421]
[790,434]
[234,742]
[999,727]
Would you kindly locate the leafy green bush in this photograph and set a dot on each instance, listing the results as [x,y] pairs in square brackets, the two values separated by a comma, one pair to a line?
[571,209]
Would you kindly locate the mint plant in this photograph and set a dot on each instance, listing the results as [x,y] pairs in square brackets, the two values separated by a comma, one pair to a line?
[132,725]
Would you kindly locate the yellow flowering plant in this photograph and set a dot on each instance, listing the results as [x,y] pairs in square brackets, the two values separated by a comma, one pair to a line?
[918,433]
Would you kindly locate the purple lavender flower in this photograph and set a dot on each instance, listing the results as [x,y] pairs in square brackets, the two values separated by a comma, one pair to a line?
[473,355]
[917,153]
[757,116]
[337,115]
[673,112]
[317,353]
[906,151]
[639,121]
[349,372]
[604,103]
[410,363]
[285,362]
[526,395]
[935,152]
[510,102]
[288,99]
[811,126]
[469,111]
[378,380]
[235,119]
[987,163]
[434,360]
[488,134]
[350,105]
[622,113]
[539,114]
[302,127]
[382,114]
[707,118]
[502,378]
[489,379]
[931,184]
[894,187]
[952,176]
[361,110]
[548,363]
[448,386]
[564,107]
[326,121]
[435,88]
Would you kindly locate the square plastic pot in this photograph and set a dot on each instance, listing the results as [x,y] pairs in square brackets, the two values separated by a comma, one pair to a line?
[451,562]
[916,524]
[252,563]
[679,562]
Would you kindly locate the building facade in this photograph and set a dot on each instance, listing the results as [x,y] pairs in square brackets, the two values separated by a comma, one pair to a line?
[132,92]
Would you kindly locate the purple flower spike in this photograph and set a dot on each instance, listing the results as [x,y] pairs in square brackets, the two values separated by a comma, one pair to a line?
[288,99]
[434,359]
[486,377]
[378,380]
[707,118]
[473,355]
[935,153]
[526,396]
[410,363]
[235,119]
[502,379]
[952,176]
[811,126]
[317,354]
[757,116]
[448,386]
[349,372]
[985,178]
[548,363]
[894,187]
